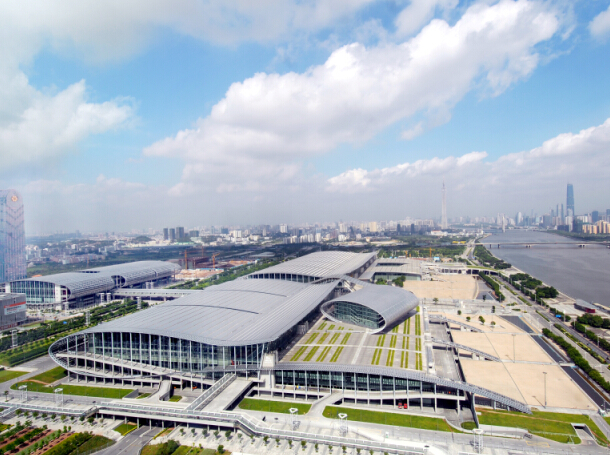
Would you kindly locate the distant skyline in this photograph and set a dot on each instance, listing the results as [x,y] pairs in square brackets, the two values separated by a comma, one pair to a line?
[123,115]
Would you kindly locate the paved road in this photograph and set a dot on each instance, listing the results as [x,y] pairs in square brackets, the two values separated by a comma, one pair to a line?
[133,442]
[516,320]
[549,350]
[584,385]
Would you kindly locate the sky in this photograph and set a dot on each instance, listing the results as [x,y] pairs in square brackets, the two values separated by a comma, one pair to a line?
[122,115]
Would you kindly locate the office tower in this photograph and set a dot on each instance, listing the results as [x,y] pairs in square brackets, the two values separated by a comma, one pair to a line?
[194,233]
[570,200]
[180,232]
[594,216]
[12,237]
[444,209]
[165,234]
[172,234]
[562,214]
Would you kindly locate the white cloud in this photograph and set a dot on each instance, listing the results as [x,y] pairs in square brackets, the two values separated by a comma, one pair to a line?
[600,25]
[515,180]
[418,13]
[271,121]
[49,126]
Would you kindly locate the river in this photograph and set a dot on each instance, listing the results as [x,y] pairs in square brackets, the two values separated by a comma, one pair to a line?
[581,273]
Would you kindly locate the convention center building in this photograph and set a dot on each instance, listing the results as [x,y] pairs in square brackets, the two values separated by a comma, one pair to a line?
[272,327]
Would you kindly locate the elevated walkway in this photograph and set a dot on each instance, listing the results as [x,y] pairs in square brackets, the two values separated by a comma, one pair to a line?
[442,319]
[466,348]
[227,397]
[164,390]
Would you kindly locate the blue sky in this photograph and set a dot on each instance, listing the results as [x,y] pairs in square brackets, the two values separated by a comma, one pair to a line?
[117,116]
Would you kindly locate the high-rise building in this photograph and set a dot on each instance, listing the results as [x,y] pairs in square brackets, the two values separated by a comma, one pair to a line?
[444,209]
[594,216]
[180,232]
[562,214]
[172,234]
[570,201]
[12,237]
[165,234]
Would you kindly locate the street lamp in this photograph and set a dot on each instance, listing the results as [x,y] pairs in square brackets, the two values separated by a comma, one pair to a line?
[514,351]
[544,372]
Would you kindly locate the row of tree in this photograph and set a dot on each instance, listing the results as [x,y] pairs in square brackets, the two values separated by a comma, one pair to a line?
[578,359]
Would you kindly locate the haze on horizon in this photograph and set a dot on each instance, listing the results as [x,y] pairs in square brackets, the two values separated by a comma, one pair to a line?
[120,115]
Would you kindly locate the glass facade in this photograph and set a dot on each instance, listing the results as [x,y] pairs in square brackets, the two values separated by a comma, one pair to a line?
[168,352]
[354,313]
[36,291]
[12,237]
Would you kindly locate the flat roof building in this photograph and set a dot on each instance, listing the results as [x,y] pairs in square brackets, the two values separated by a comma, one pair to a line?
[12,310]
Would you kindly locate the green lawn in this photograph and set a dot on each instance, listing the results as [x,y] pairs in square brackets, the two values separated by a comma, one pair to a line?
[80,390]
[143,395]
[175,398]
[283,407]
[6,375]
[542,422]
[50,376]
[125,428]
[96,442]
[389,418]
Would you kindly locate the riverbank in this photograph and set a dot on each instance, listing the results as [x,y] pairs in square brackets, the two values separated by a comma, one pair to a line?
[580,273]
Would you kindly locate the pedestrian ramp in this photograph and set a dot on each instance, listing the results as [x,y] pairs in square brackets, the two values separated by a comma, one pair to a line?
[230,395]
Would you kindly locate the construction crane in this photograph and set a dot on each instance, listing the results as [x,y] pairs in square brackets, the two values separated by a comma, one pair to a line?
[214,260]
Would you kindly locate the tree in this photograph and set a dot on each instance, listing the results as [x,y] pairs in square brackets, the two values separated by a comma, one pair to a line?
[277,442]
[216,433]
[303,444]
[468,318]
[435,299]
[193,431]
[221,449]
[265,439]
[484,297]
[459,312]
[482,319]
[493,323]
[493,309]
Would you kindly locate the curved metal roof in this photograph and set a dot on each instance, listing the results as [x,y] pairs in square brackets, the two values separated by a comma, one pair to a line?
[321,264]
[79,284]
[138,272]
[100,279]
[392,303]
[240,312]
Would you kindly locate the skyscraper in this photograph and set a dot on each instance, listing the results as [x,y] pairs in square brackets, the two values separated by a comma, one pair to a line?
[444,209]
[12,237]
[570,201]
[165,234]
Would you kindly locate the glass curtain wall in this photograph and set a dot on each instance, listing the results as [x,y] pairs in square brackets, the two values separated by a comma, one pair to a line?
[35,291]
[173,353]
[357,314]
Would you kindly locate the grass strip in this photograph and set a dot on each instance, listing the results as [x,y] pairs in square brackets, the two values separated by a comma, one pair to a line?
[6,375]
[322,338]
[393,340]
[331,327]
[50,376]
[341,328]
[322,326]
[408,322]
[345,338]
[337,353]
[402,359]
[406,359]
[312,338]
[175,398]
[125,428]
[550,425]
[299,353]
[404,328]
[390,359]
[389,418]
[311,353]
[143,395]
[84,391]
[323,355]
[283,407]
[375,356]
[334,338]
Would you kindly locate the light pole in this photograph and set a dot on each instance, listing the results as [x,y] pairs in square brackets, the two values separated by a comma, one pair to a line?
[544,372]
[514,351]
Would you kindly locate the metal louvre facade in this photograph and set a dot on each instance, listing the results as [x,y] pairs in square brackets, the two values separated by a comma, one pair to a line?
[136,272]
